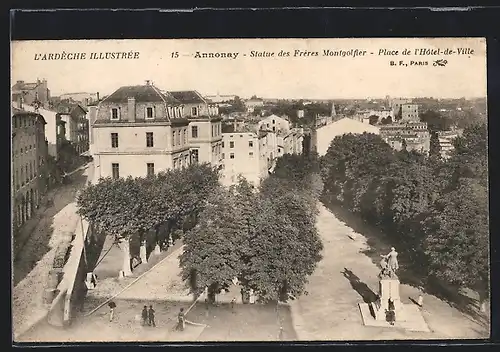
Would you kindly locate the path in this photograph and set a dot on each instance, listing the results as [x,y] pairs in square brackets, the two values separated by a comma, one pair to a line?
[35,259]
[330,311]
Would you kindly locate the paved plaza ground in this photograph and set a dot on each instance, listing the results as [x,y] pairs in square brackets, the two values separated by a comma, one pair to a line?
[345,277]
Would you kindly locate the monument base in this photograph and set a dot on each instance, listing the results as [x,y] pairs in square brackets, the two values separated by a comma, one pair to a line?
[409,318]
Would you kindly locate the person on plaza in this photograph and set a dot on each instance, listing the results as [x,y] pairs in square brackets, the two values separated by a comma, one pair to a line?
[151,316]
[145,316]
[112,306]
[391,312]
[181,321]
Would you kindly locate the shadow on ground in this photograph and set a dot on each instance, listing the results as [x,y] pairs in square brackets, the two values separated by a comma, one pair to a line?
[360,287]
[378,243]
[33,241]
[241,322]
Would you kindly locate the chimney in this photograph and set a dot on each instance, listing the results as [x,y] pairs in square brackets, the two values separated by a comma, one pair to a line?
[97,96]
[148,82]
[20,102]
[131,109]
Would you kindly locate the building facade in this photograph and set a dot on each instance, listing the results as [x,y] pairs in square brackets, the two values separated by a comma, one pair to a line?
[409,112]
[274,123]
[446,141]
[75,129]
[138,131]
[205,126]
[415,134]
[29,159]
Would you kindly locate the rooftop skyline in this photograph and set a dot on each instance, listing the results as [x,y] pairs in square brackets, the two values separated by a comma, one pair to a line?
[319,77]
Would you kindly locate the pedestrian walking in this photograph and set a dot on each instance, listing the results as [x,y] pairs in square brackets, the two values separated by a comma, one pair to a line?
[112,306]
[144,316]
[151,316]
[181,321]
[233,301]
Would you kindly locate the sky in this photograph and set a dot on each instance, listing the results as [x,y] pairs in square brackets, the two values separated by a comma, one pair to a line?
[314,77]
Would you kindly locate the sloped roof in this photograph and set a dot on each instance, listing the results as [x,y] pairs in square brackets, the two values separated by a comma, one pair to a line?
[187,96]
[142,94]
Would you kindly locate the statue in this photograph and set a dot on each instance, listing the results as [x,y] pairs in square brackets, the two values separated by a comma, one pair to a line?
[389,264]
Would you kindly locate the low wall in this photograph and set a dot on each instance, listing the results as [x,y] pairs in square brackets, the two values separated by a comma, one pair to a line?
[75,273]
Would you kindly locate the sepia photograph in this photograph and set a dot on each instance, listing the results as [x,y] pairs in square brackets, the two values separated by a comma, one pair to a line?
[196,190]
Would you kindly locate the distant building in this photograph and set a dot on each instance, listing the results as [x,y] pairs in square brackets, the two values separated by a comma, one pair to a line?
[29,161]
[83,98]
[274,123]
[220,98]
[30,93]
[300,114]
[446,141]
[415,134]
[325,135]
[409,112]
[290,142]
[251,104]
[395,104]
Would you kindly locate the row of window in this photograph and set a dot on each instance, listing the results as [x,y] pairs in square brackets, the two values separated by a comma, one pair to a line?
[23,122]
[231,144]
[150,112]
[25,174]
[179,162]
[231,155]
[176,138]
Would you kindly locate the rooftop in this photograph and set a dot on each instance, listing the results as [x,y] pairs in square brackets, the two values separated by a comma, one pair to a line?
[187,97]
[142,94]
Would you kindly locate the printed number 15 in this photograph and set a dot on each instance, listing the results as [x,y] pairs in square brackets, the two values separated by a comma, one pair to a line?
[175,54]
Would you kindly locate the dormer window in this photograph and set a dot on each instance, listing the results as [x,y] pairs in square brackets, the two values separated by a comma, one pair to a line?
[150,112]
[194,111]
[115,114]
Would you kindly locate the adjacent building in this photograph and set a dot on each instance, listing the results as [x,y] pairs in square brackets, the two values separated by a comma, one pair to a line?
[409,112]
[220,98]
[28,164]
[205,129]
[244,154]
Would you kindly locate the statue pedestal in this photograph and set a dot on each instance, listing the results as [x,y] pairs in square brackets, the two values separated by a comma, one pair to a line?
[388,290]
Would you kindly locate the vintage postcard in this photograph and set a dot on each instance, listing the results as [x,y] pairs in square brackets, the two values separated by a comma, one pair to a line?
[249,190]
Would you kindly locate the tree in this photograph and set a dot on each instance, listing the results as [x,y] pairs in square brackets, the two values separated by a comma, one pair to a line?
[435,147]
[386,120]
[435,121]
[457,236]
[210,258]
[373,119]
[118,208]
[284,248]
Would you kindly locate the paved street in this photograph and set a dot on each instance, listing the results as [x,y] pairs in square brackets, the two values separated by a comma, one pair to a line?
[35,259]
[330,311]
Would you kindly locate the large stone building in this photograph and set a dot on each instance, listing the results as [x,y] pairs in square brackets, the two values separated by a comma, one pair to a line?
[140,130]
[29,160]
[31,93]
